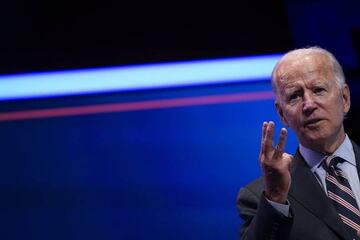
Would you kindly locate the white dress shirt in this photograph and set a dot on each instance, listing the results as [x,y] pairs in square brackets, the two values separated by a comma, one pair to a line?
[314,160]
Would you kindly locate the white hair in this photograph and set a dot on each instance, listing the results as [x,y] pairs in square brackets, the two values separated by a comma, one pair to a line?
[336,67]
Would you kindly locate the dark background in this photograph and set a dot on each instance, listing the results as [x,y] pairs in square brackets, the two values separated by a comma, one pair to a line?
[158,174]
[44,35]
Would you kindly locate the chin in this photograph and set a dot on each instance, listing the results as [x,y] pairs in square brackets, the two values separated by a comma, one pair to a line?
[314,138]
[318,141]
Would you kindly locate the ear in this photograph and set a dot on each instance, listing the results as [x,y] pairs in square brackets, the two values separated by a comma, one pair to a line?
[346,98]
[281,114]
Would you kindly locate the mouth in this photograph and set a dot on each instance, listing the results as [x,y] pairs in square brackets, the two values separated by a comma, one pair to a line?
[313,122]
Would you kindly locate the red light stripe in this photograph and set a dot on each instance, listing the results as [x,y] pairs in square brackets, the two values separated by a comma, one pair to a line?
[135,106]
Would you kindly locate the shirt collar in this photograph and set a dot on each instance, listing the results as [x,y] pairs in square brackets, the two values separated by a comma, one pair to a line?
[313,158]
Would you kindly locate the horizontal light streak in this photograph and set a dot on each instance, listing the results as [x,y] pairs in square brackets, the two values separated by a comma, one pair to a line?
[136,77]
[135,106]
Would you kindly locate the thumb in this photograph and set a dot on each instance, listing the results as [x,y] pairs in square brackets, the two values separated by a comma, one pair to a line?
[358,234]
[289,159]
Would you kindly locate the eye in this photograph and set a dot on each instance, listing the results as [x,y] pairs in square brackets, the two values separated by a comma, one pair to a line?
[294,97]
[318,90]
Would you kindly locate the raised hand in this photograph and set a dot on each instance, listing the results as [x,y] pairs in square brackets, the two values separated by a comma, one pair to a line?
[275,164]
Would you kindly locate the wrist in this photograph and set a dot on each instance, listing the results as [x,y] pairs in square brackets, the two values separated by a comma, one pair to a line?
[278,198]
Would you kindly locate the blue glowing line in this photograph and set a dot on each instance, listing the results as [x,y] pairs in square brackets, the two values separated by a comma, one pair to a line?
[139,77]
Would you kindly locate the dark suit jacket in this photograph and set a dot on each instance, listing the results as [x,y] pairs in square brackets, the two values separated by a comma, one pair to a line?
[313,217]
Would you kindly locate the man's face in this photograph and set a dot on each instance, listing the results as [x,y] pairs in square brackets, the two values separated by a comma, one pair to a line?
[311,102]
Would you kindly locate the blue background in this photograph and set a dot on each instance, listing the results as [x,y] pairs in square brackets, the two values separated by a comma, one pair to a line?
[156,174]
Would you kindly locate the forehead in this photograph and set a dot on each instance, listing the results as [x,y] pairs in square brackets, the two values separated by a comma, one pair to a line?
[303,67]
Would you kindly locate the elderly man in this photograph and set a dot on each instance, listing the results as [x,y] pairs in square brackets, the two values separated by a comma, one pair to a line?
[314,194]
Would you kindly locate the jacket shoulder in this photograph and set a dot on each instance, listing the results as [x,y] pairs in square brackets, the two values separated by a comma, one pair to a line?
[256,187]
[249,196]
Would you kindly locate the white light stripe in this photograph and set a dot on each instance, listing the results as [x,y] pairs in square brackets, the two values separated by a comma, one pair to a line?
[140,77]
[344,203]
[349,222]
[342,187]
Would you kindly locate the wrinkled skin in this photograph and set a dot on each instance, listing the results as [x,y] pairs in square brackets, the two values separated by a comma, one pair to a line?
[312,103]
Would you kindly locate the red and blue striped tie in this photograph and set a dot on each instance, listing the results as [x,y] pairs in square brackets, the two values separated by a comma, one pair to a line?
[341,195]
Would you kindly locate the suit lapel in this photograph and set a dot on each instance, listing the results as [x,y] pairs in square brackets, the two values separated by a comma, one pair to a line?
[357,156]
[306,190]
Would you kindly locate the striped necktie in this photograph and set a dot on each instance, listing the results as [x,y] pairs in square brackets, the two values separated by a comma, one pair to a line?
[341,195]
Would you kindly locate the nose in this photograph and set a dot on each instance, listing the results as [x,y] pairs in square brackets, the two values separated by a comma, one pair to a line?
[309,104]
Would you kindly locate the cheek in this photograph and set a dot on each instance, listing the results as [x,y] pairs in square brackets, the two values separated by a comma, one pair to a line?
[294,122]
[292,115]
[336,110]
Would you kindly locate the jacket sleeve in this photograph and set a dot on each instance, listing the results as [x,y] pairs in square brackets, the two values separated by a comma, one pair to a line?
[261,220]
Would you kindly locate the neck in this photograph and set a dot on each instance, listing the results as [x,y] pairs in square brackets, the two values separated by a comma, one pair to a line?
[329,145]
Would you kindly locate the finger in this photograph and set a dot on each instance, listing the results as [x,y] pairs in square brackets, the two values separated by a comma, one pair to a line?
[264,127]
[279,149]
[261,155]
[268,150]
[282,140]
